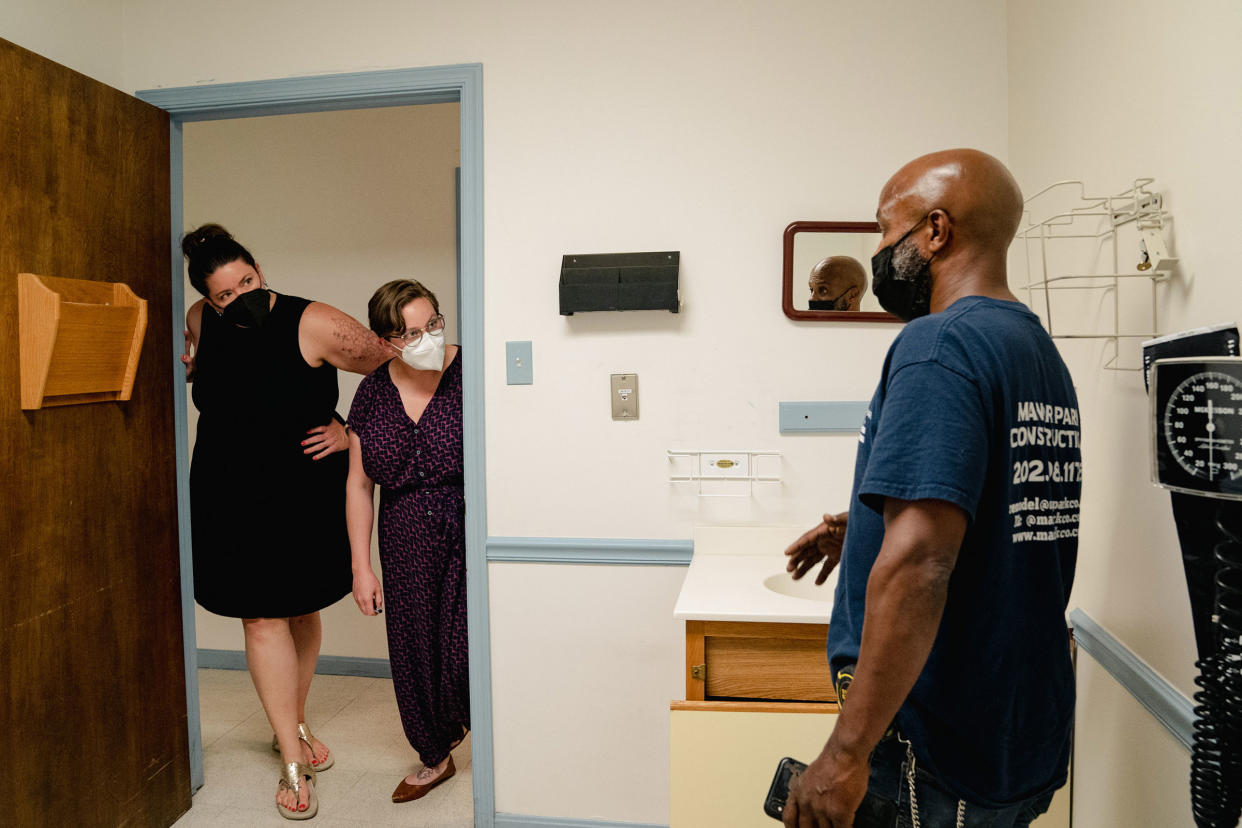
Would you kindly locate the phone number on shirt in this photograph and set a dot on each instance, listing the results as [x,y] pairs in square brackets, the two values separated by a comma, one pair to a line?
[1039,471]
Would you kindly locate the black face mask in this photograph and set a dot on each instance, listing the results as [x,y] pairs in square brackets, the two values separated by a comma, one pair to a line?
[903,288]
[841,303]
[249,309]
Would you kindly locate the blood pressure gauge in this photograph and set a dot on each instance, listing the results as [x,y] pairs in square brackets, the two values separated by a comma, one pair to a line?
[1197,425]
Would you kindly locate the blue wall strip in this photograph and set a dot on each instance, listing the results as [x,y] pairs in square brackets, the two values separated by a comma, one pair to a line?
[822,417]
[519,821]
[328,665]
[591,551]
[1162,700]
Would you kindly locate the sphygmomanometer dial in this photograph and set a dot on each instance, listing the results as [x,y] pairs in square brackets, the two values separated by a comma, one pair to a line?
[1203,425]
[1198,425]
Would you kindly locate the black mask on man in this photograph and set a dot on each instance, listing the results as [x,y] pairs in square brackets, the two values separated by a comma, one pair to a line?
[249,309]
[903,286]
[841,303]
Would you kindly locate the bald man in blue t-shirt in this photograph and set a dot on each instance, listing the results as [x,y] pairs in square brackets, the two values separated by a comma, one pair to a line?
[948,639]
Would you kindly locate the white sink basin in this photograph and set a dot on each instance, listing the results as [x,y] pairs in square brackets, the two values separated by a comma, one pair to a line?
[783,583]
[738,574]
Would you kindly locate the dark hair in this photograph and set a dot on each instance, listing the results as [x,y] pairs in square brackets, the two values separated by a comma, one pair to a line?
[208,248]
[384,309]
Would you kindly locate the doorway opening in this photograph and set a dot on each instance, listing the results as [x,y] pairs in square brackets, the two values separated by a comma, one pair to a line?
[371,97]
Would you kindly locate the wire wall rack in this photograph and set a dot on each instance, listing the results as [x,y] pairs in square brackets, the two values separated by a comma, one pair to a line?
[718,473]
[1099,218]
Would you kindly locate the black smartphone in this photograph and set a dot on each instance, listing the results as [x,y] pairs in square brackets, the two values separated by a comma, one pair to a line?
[778,793]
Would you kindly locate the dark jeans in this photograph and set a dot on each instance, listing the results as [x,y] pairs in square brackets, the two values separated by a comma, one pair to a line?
[887,804]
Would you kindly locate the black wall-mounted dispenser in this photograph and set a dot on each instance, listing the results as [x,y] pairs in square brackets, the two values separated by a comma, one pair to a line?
[619,281]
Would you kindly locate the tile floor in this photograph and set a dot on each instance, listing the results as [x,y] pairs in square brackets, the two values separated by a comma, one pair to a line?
[357,718]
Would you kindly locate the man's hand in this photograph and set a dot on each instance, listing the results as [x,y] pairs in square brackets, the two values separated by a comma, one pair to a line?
[828,792]
[823,543]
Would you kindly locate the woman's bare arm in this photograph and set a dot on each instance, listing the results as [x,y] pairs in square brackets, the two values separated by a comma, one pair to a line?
[329,335]
[193,325]
[359,517]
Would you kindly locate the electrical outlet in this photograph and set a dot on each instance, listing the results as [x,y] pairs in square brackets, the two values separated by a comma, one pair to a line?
[624,396]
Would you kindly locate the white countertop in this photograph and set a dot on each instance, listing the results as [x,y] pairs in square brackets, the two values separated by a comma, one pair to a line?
[730,573]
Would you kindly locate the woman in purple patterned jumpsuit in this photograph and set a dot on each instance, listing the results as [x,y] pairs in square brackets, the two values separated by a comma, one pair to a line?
[406,435]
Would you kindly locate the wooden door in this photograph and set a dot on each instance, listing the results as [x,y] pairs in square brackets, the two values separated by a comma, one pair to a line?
[92,689]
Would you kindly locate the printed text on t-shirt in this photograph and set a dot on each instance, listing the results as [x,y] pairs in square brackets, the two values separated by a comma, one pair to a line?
[1051,432]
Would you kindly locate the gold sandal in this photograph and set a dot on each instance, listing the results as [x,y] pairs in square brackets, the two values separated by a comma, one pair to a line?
[292,778]
[304,735]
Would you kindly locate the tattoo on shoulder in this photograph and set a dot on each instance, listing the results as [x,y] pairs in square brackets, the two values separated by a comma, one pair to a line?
[355,342]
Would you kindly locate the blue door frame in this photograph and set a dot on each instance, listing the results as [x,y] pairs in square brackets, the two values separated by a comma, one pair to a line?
[401,87]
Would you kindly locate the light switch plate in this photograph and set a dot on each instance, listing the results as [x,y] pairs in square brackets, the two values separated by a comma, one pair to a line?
[625,396]
[518,367]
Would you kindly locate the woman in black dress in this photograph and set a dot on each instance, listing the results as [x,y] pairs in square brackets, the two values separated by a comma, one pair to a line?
[267,480]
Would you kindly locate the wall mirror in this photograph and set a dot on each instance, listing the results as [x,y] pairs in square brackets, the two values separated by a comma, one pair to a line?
[827,272]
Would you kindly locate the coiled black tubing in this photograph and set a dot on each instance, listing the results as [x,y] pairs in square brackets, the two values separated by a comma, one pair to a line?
[1216,757]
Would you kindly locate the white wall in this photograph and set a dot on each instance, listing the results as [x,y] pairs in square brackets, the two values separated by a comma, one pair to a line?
[582,685]
[85,35]
[699,126]
[1107,91]
[331,205]
[1128,769]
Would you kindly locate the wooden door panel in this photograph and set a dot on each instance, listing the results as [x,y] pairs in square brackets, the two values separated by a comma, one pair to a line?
[92,705]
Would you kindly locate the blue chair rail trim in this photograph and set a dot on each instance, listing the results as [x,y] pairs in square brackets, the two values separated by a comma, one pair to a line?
[1162,700]
[591,551]
[520,821]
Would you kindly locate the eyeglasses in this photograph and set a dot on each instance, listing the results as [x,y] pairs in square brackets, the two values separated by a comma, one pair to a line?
[434,325]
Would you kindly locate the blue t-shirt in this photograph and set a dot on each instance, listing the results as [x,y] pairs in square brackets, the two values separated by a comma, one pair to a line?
[976,407]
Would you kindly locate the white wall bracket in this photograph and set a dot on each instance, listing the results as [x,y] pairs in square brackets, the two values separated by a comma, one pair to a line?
[718,473]
[1097,218]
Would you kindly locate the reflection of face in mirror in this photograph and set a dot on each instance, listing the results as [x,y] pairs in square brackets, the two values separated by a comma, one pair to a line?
[837,283]
[837,267]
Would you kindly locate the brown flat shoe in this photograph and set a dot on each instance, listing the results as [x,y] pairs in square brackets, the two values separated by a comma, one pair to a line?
[406,792]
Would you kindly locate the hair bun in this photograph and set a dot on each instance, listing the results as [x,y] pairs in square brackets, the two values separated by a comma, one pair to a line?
[196,238]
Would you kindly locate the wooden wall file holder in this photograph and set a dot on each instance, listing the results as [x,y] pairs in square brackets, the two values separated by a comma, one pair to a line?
[80,340]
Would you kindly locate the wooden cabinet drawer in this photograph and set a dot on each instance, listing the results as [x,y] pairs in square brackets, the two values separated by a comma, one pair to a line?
[751,660]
